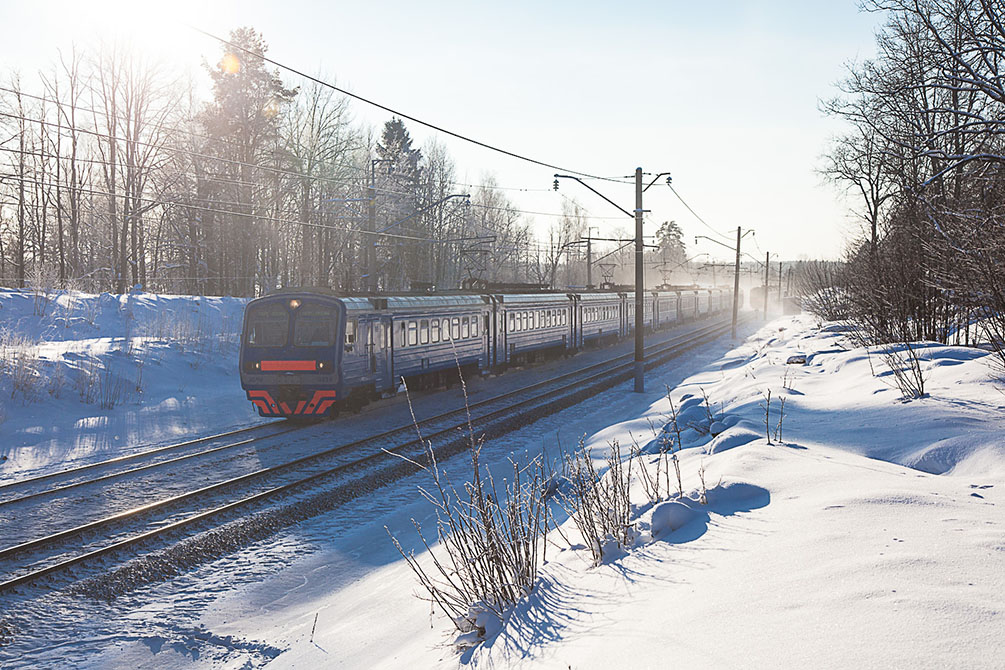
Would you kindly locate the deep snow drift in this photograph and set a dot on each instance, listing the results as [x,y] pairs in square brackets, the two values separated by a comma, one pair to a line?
[85,377]
[870,533]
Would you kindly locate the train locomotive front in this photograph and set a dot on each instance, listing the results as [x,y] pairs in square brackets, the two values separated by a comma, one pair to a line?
[291,354]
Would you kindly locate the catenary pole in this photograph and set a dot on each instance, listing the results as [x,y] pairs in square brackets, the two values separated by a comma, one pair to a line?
[767,276]
[640,365]
[736,283]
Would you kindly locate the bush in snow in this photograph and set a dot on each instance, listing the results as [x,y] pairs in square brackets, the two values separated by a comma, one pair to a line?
[19,366]
[490,545]
[600,504]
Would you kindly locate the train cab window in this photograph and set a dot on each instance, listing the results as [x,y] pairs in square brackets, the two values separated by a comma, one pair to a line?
[314,326]
[268,325]
[465,328]
[435,331]
[424,331]
[401,335]
[455,329]
[413,333]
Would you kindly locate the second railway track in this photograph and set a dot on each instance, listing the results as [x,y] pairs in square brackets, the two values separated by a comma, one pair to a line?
[210,496]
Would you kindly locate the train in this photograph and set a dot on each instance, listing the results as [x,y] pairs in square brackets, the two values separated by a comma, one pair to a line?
[309,353]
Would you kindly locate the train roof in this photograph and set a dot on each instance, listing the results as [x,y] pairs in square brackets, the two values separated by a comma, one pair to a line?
[531,297]
[423,302]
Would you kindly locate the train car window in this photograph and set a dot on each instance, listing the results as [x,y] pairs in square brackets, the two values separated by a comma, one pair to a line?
[445,330]
[314,326]
[510,322]
[435,335]
[350,334]
[413,333]
[455,328]
[401,335]
[465,328]
[474,326]
[268,325]
[424,331]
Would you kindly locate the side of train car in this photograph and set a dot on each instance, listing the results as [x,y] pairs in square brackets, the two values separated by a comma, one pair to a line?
[305,353]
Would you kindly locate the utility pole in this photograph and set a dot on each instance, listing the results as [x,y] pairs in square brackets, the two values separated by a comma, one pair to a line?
[368,241]
[736,282]
[589,258]
[640,365]
[779,282]
[767,270]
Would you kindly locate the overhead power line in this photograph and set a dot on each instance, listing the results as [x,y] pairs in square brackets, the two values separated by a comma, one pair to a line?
[187,152]
[703,222]
[432,126]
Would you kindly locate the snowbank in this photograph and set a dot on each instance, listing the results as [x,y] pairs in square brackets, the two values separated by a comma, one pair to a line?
[88,376]
[865,531]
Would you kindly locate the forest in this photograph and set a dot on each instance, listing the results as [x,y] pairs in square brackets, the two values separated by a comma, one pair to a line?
[116,174]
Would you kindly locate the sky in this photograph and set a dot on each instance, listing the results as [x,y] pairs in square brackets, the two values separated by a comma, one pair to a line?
[724,96]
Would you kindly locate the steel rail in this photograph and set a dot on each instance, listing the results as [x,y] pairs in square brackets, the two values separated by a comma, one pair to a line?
[659,351]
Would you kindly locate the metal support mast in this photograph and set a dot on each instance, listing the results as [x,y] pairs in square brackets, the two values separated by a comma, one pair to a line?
[640,365]
[736,283]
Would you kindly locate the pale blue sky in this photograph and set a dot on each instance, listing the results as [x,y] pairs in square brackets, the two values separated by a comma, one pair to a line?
[723,95]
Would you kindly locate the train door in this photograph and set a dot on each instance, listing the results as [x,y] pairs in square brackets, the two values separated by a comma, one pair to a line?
[489,359]
[365,347]
[379,351]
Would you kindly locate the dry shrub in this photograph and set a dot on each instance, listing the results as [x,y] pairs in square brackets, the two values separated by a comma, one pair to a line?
[490,545]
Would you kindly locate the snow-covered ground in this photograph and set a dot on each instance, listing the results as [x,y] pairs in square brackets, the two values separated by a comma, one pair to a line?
[85,377]
[870,533]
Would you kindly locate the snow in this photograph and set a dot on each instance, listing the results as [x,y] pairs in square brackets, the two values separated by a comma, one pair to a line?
[109,374]
[868,533]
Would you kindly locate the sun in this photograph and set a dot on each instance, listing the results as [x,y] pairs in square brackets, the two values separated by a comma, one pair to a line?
[159,30]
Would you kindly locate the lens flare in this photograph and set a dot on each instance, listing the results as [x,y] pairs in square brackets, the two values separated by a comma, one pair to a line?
[230,64]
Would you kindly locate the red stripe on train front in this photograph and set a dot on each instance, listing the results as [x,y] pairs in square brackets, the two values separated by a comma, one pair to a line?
[263,401]
[321,402]
[289,366]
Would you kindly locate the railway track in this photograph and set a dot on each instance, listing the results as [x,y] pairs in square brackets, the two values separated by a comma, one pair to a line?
[216,500]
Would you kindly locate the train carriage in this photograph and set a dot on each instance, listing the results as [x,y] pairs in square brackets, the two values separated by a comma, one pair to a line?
[531,323]
[666,308]
[433,334]
[598,316]
[291,353]
[648,311]
[703,301]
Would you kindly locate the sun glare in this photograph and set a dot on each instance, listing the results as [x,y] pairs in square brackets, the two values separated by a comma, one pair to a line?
[157,29]
[230,63]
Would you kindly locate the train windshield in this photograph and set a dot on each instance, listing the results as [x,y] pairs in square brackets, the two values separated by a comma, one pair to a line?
[315,326]
[268,325]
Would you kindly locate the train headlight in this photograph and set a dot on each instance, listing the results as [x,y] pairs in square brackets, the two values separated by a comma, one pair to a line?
[294,303]
[325,366]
